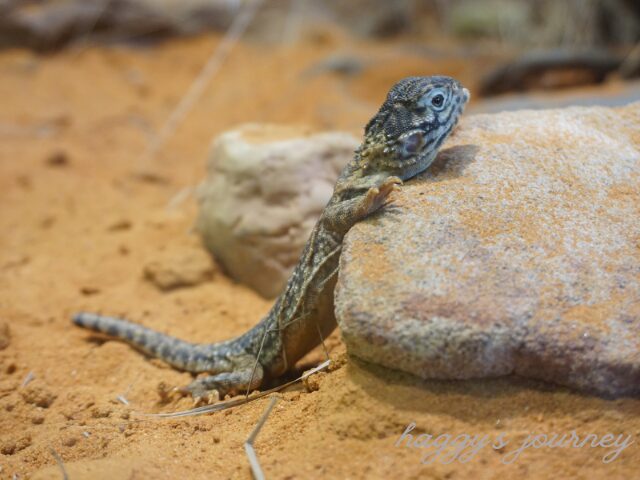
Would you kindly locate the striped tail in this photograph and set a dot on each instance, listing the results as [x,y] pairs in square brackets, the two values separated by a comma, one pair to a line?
[178,353]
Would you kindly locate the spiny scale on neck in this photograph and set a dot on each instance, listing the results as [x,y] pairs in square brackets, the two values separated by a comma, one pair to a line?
[378,154]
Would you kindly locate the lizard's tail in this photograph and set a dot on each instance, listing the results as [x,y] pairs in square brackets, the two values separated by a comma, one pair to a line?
[183,355]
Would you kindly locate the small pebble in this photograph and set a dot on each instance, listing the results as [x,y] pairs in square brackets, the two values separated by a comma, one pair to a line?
[88,290]
[37,419]
[69,441]
[59,158]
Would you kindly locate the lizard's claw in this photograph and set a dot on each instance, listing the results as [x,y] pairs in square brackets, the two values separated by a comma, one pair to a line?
[393,181]
[388,186]
[207,398]
[213,396]
[199,394]
[167,394]
[377,196]
[182,391]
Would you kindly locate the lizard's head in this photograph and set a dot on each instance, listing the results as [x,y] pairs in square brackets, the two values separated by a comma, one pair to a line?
[417,116]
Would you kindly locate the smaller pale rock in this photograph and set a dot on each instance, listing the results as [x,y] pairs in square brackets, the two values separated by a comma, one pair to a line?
[266,187]
[180,267]
[37,419]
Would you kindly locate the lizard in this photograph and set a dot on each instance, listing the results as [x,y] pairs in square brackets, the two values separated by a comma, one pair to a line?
[400,141]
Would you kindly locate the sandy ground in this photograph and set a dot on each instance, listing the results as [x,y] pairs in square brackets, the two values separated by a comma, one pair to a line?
[80,217]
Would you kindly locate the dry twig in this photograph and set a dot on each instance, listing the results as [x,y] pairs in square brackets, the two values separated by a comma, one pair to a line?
[256,469]
[217,58]
[60,463]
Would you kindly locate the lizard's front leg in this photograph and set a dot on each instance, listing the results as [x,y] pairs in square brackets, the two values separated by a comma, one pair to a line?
[342,215]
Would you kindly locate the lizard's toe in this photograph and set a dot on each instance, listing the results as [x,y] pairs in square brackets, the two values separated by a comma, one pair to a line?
[395,180]
[213,396]
[181,391]
[389,185]
[206,398]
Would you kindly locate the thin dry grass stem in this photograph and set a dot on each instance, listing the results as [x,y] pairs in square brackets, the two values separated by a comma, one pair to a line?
[27,379]
[60,463]
[198,86]
[180,197]
[256,469]
[324,347]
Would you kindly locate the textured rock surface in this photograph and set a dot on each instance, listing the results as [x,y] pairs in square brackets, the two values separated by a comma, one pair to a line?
[265,189]
[518,252]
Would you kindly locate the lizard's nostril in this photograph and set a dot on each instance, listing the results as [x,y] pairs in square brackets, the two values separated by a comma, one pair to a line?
[466,94]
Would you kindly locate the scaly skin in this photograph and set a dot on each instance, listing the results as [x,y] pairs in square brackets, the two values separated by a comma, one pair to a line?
[400,141]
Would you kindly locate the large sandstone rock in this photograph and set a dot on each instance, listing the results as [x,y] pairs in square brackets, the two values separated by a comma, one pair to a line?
[517,252]
[266,186]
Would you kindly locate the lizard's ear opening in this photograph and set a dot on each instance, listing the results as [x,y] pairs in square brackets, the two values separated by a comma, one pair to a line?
[411,144]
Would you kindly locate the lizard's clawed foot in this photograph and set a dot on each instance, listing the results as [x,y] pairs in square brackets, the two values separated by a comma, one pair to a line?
[168,394]
[200,395]
[377,196]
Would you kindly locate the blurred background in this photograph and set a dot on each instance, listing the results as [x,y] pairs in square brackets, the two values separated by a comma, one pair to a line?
[112,105]
[327,63]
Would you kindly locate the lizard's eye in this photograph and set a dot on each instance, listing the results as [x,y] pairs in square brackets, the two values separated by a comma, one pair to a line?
[438,100]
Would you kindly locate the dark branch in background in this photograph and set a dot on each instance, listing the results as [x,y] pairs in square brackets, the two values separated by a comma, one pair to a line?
[48,26]
[630,68]
[551,69]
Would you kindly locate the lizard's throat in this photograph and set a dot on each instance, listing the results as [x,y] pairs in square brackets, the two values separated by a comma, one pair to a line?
[410,167]
[405,167]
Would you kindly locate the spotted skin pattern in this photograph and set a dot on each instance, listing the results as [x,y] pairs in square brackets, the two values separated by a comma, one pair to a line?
[400,141]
